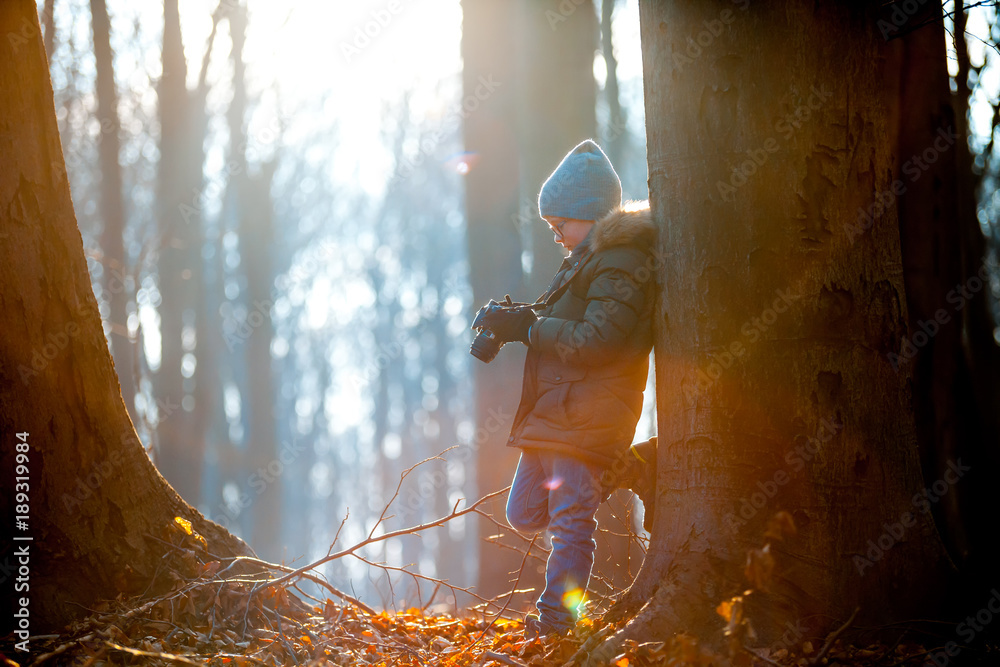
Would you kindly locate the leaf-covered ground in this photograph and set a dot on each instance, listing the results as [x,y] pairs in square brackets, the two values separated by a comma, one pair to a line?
[205,612]
[212,621]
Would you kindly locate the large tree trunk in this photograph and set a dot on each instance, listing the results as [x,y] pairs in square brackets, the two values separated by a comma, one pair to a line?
[96,501]
[780,307]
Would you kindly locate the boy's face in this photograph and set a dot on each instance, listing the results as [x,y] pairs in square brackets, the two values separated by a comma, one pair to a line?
[568,232]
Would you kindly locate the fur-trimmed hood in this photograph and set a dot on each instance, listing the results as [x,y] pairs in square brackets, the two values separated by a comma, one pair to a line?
[629,224]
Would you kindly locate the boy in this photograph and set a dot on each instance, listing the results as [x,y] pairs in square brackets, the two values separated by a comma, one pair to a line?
[584,374]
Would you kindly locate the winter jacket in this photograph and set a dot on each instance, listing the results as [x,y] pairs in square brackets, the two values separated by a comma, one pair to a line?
[588,352]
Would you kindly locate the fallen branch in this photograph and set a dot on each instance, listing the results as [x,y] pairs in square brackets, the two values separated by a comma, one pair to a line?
[833,637]
[506,604]
[500,657]
[455,513]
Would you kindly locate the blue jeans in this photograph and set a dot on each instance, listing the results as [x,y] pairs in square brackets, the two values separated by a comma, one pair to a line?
[560,493]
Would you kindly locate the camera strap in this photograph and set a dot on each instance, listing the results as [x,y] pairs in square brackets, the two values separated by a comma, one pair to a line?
[549,298]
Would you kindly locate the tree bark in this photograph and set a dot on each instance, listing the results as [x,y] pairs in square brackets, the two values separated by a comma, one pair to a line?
[96,501]
[920,114]
[779,308]
[978,396]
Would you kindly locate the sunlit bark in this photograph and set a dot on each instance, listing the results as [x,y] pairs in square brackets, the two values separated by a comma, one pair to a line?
[779,310]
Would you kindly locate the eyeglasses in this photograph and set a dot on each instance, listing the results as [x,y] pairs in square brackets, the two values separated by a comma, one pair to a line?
[558,228]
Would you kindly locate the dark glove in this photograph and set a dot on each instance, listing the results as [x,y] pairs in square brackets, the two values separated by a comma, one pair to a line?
[510,324]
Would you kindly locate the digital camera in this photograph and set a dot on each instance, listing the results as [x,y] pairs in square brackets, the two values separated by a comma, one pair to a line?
[485,345]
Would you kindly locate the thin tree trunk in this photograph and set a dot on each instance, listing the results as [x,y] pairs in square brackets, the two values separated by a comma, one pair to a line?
[116,279]
[557,41]
[181,445]
[48,16]
[257,230]
[615,136]
[491,196]
[779,310]
[95,498]
[251,199]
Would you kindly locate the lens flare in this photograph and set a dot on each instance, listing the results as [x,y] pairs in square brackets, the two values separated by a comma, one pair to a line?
[553,483]
[573,599]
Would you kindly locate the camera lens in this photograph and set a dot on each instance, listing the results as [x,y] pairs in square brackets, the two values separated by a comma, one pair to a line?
[485,347]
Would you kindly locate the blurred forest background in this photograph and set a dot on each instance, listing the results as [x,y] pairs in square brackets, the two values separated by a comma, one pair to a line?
[292,210]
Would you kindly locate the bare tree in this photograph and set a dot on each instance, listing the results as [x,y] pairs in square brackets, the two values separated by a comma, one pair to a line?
[182,378]
[96,503]
[116,278]
[490,137]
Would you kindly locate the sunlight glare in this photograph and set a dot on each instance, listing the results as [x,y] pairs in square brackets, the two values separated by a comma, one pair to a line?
[356,58]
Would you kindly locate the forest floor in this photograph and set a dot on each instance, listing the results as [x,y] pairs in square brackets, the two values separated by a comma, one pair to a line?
[205,622]
[205,611]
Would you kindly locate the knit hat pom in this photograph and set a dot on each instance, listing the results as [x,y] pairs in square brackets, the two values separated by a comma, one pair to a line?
[584,186]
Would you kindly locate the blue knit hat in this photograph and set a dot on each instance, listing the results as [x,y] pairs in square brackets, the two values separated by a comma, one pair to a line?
[584,186]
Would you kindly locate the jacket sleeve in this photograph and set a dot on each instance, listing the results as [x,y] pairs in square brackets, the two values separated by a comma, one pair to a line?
[616,303]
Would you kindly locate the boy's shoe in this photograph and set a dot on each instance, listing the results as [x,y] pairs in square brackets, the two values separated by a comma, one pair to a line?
[534,627]
[644,484]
